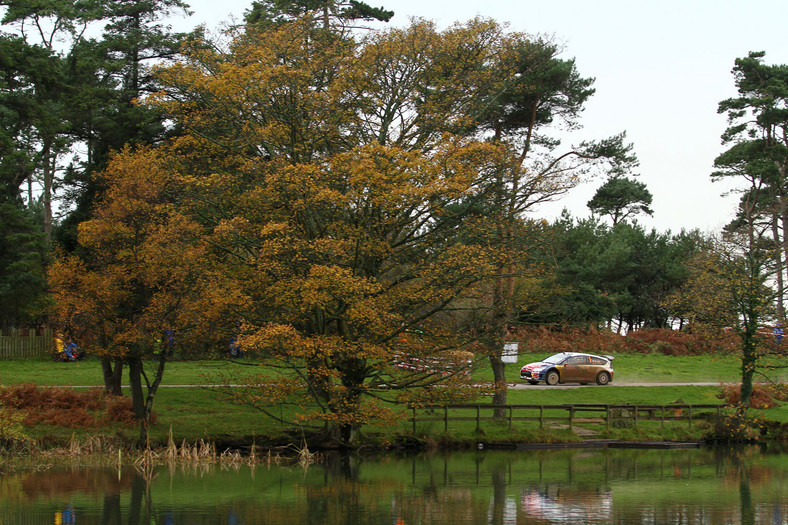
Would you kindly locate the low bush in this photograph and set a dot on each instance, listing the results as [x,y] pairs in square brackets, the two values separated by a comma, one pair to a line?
[737,425]
[673,342]
[12,435]
[550,340]
[763,396]
[64,407]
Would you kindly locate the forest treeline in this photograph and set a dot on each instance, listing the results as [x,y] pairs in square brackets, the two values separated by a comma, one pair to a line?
[69,101]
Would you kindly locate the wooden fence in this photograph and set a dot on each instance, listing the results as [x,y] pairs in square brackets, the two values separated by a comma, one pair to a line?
[616,415]
[15,343]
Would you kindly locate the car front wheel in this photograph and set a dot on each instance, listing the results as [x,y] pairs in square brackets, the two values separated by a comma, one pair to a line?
[603,378]
[552,378]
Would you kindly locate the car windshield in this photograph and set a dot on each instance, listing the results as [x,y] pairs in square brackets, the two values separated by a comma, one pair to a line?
[555,359]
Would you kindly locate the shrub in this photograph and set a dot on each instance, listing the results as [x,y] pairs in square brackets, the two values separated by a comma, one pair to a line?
[550,340]
[31,397]
[736,425]
[553,340]
[762,396]
[119,410]
[12,435]
[622,418]
[673,342]
[65,407]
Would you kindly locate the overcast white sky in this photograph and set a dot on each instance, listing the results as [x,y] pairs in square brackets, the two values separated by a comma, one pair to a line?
[661,67]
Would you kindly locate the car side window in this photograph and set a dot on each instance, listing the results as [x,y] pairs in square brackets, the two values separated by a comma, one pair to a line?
[577,360]
[597,361]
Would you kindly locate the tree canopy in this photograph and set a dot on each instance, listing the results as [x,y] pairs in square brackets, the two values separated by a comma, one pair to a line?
[281,11]
[341,183]
[621,198]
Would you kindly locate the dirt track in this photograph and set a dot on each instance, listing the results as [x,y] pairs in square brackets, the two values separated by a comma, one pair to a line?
[524,385]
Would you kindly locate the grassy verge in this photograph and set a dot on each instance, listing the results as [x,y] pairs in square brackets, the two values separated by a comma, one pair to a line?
[196,413]
[629,368]
[88,372]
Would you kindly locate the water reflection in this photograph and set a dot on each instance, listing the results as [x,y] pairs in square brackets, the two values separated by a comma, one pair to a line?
[715,487]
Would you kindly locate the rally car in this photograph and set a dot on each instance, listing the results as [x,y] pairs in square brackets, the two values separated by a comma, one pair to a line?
[570,367]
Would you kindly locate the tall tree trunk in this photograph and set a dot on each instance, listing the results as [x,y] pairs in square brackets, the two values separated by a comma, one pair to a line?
[749,360]
[30,189]
[778,261]
[784,244]
[349,402]
[152,389]
[135,381]
[500,317]
[141,403]
[503,300]
[49,178]
[112,375]
[501,393]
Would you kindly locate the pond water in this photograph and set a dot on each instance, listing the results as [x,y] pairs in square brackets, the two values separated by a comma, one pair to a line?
[697,486]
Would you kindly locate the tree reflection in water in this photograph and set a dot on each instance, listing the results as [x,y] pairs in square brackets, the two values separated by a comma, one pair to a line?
[733,486]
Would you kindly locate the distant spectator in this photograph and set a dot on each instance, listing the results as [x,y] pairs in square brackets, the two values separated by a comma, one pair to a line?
[71,352]
[236,350]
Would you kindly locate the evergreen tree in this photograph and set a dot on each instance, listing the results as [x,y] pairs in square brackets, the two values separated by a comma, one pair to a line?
[619,273]
[267,12]
[621,198]
[42,29]
[108,78]
[755,246]
[757,137]
[23,255]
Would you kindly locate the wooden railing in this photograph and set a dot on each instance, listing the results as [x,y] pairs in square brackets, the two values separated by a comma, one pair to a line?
[569,414]
[28,343]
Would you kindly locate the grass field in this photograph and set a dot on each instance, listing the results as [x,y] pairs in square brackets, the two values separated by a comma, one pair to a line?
[197,413]
[629,368]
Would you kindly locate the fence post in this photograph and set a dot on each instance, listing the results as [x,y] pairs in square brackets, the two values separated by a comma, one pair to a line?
[689,415]
[662,416]
[413,407]
[571,415]
[445,419]
[541,416]
[636,416]
[510,416]
[607,417]
[478,424]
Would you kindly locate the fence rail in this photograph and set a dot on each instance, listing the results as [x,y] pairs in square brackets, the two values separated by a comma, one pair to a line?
[16,343]
[570,414]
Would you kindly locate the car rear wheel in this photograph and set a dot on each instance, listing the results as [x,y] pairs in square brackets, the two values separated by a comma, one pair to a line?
[552,378]
[603,378]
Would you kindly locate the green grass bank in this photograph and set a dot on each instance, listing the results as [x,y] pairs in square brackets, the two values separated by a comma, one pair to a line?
[187,405]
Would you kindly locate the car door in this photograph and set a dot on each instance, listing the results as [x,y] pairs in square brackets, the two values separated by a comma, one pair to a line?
[575,369]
